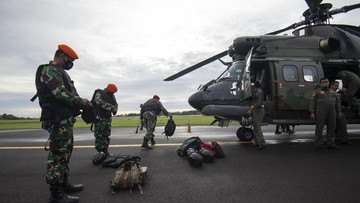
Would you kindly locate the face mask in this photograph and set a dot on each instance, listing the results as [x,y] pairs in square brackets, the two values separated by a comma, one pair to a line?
[68,64]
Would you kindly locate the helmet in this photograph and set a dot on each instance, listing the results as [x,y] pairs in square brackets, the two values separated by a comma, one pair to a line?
[207,155]
[112,88]
[246,120]
[68,51]
[99,157]
[190,151]
[195,159]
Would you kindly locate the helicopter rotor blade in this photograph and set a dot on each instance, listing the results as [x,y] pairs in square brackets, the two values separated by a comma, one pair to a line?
[196,66]
[344,9]
[313,5]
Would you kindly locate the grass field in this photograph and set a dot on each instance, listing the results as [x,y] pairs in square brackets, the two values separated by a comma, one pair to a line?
[117,122]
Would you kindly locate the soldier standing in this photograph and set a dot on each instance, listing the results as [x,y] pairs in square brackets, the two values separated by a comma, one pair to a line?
[324,106]
[60,104]
[149,112]
[341,127]
[105,104]
[257,111]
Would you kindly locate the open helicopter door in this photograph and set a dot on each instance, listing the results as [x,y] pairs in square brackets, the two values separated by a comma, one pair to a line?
[246,80]
[296,82]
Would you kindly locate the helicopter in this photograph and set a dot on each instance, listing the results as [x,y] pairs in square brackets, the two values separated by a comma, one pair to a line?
[288,67]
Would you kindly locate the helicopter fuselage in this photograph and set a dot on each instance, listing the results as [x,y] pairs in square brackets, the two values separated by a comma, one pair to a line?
[288,67]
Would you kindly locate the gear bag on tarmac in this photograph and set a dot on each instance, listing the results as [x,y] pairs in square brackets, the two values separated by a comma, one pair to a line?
[129,174]
[192,142]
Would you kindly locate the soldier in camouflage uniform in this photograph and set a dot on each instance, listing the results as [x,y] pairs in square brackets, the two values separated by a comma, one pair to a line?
[60,104]
[148,114]
[105,104]
[324,106]
[257,111]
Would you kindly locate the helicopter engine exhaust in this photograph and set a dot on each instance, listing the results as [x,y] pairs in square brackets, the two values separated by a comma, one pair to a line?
[329,44]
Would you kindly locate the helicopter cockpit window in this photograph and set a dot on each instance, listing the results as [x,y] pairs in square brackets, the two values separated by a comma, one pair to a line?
[310,74]
[234,72]
[290,73]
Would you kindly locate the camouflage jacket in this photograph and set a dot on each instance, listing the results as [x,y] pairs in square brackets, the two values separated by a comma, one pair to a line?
[105,103]
[52,77]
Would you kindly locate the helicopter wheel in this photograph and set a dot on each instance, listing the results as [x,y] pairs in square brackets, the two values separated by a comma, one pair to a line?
[245,134]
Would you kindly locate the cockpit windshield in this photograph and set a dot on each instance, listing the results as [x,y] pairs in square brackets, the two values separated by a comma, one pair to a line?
[234,72]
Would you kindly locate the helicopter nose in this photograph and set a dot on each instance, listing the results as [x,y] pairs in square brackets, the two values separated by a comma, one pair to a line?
[195,100]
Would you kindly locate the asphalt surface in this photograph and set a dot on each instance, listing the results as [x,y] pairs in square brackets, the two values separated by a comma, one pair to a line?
[288,170]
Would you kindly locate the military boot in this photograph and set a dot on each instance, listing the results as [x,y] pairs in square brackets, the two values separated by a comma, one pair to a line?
[145,144]
[70,188]
[59,196]
[152,141]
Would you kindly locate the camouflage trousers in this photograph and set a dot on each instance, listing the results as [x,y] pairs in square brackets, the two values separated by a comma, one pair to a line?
[61,145]
[102,134]
[150,124]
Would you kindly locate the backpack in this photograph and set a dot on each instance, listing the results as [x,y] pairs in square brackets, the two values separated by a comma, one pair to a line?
[115,161]
[192,142]
[209,147]
[88,114]
[218,149]
[169,128]
[128,175]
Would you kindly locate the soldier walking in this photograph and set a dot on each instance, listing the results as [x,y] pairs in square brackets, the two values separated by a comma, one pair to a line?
[324,106]
[351,82]
[257,111]
[148,114]
[105,104]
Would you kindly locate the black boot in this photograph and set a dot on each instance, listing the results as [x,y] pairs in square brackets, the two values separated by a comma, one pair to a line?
[70,188]
[145,144]
[152,141]
[59,196]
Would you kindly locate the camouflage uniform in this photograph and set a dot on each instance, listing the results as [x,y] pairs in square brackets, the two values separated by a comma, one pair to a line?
[61,136]
[103,120]
[325,103]
[258,114]
[149,112]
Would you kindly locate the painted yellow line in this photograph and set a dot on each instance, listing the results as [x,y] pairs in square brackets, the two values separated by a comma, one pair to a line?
[115,146]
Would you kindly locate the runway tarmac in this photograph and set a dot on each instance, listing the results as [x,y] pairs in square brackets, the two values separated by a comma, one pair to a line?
[288,170]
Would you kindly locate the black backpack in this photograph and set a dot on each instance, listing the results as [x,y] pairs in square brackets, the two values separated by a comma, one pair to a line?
[169,128]
[192,142]
[88,115]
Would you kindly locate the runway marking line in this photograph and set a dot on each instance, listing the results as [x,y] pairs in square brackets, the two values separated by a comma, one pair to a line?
[115,146]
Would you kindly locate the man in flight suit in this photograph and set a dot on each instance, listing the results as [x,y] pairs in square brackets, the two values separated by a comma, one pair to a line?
[148,114]
[257,111]
[324,106]
[341,127]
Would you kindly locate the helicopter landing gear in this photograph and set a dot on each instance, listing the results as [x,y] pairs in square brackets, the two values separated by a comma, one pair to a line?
[245,134]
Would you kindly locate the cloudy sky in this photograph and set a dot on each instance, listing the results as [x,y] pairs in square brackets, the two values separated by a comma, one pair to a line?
[132,43]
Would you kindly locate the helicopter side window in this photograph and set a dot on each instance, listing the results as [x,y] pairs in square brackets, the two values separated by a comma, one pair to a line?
[310,74]
[290,73]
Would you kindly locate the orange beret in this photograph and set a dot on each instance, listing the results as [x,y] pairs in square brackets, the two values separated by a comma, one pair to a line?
[68,51]
[112,88]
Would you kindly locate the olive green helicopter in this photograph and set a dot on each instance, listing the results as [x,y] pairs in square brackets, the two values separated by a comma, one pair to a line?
[288,66]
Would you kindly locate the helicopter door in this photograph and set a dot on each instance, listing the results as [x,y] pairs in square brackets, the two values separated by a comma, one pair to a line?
[296,81]
[246,84]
